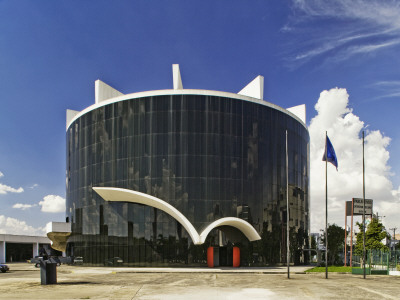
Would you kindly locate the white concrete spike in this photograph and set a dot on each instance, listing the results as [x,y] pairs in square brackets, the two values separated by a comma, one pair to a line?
[176,75]
[254,89]
[299,111]
[102,91]
[70,115]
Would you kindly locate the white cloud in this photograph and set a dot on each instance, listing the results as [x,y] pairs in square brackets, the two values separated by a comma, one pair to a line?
[4,189]
[53,204]
[23,206]
[353,27]
[378,12]
[15,226]
[344,130]
[388,89]
[34,186]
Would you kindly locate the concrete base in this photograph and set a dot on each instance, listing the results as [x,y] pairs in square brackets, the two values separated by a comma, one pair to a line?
[48,273]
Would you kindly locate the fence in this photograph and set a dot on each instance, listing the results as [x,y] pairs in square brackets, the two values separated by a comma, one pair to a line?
[378,262]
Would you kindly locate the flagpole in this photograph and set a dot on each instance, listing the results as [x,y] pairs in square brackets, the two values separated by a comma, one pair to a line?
[326,205]
[363,207]
[287,208]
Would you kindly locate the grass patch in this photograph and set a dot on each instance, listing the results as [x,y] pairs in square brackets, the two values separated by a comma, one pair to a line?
[341,269]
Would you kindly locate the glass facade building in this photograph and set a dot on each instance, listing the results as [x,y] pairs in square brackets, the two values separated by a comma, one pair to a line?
[209,156]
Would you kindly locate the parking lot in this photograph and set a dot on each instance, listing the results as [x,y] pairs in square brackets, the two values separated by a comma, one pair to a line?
[23,282]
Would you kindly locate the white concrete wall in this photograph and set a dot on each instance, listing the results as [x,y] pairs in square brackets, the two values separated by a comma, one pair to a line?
[2,252]
[35,251]
[254,89]
[176,77]
[70,114]
[21,239]
[24,239]
[299,111]
[58,227]
[103,91]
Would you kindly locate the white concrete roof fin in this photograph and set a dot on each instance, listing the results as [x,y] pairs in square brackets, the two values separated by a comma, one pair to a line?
[102,91]
[299,111]
[254,89]
[70,115]
[176,76]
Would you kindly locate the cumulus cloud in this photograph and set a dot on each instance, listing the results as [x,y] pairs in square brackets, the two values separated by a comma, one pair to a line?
[34,186]
[361,27]
[344,130]
[53,204]
[23,206]
[4,189]
[15,226]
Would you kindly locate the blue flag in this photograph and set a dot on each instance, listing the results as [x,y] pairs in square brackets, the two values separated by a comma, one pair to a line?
[330,154]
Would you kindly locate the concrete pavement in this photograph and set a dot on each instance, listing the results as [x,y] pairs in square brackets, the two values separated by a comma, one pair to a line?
[23,282]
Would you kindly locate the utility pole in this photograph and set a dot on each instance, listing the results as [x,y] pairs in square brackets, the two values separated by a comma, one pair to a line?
[380,218]
[288,210]
[363,219]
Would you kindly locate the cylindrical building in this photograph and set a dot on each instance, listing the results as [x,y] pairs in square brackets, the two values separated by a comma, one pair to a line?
[206,155]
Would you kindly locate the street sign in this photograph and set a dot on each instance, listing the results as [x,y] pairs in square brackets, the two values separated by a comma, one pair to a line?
[358,206]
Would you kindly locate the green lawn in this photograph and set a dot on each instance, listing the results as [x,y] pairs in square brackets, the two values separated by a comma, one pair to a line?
[331,269]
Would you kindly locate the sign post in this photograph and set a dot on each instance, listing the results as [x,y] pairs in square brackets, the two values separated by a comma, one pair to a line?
[355,207]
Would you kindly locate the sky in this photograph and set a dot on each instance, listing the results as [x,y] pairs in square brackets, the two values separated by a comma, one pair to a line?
[340,58]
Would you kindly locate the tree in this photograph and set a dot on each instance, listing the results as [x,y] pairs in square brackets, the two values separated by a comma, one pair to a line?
[373,237]
[313,243]
[335,244]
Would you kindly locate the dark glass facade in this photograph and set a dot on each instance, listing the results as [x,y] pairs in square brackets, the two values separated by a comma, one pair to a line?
[210,157]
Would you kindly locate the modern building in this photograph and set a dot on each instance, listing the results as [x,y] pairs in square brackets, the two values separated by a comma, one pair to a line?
[18,248]
[155,178]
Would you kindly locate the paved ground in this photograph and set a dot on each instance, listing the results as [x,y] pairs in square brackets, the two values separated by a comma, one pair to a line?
[23,282]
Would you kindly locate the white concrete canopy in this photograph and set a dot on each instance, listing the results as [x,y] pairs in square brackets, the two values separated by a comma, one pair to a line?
[125,195]
[254,89]
[242,225]
[102,91]
[299,111]
[176,76]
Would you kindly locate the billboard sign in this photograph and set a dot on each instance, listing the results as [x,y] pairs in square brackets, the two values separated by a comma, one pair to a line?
[358,206]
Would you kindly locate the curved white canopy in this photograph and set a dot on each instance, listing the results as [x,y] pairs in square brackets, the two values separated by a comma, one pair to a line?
[240,224]
[125,195]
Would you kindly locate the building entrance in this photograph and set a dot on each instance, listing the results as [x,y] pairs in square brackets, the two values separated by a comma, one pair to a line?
[223,256]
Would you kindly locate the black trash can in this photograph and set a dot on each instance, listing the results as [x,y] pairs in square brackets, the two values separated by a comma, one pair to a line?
[48,272]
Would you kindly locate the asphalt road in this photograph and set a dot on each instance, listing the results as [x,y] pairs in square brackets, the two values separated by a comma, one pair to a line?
[23,282]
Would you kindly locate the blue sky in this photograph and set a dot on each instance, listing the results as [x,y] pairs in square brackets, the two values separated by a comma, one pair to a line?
[51,52]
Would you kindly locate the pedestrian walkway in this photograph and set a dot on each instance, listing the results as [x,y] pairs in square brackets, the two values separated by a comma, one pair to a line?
[97,270]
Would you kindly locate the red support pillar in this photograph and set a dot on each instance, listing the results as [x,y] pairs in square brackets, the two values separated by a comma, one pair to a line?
[236,257]
[210,257]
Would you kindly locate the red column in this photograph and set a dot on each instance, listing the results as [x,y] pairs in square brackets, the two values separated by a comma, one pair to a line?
[210,257]
[236,257]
